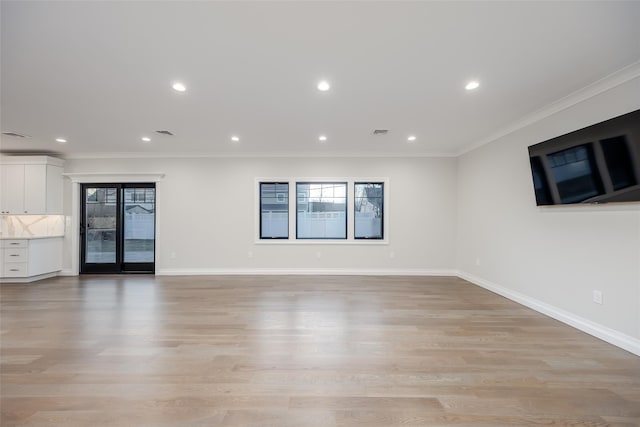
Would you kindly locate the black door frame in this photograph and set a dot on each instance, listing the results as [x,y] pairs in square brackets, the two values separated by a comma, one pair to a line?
[119,266]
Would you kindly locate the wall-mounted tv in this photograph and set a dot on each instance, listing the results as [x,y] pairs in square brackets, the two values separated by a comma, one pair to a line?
[596,164]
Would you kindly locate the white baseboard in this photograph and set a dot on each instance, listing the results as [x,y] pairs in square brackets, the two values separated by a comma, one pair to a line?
[28,279]
[302,271]
[609,335]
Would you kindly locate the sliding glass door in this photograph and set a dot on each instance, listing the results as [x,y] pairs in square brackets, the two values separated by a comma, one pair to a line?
[118,228]
[99,229]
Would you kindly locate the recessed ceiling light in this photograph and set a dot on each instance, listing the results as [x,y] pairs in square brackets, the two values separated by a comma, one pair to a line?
[324,86]
[322,138]
[411,138]
[235,138]
[146,139]
[61,140]
[179,87]
[472,85]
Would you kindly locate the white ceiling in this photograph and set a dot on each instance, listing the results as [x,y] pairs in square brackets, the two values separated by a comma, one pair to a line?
[100,73]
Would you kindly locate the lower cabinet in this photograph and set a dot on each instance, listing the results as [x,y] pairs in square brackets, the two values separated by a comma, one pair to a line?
[25,260]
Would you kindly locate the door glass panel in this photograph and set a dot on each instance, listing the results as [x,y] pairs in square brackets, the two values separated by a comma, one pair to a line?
[101,210]
[139,224]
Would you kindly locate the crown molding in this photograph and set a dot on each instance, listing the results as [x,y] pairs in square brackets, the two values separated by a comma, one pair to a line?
[624,75]
[109,177]
[8,159]
[203,155]
[609,82]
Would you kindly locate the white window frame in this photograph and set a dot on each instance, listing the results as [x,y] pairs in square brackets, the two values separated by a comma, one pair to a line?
[293,211]
[260,211]
[383,233]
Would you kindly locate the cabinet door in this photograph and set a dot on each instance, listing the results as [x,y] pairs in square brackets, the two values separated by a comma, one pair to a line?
[45,256]
[35,189]
[12,197]
[54,190]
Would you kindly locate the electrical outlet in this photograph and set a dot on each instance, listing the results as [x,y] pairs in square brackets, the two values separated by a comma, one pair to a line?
[477,261]
[392,255]
[249,254]
[597,297]
[318,254]
[173,255]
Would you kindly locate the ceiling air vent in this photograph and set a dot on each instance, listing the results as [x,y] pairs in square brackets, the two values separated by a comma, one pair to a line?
[17,135]
[164,132]
[380,131]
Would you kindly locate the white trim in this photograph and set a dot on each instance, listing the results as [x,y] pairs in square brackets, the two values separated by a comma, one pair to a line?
[350,240]
[103,177]
[604,84]
[314,242]
[75,228]
[114,177]
[28,279]
[602,332]
[31,160]
[609,82]
[609,335]
[257,155]
[302,271]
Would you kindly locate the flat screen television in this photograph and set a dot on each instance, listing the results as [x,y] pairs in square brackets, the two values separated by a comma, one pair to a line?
[596,164]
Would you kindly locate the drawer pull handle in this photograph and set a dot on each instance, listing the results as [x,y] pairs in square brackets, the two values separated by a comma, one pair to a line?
[14,269]
[14,243]
[14,255]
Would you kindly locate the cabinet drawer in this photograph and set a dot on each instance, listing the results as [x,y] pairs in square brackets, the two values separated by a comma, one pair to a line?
[15,255]
[15,243]
[15,269]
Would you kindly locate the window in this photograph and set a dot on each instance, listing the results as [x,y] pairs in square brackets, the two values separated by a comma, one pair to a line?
[321,210]
[540,184]
[324,211]
[106,196]
[618,158]
[576,174]
[274,210]
[369,209]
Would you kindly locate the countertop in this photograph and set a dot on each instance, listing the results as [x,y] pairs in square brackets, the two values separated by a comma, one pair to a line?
[29,237]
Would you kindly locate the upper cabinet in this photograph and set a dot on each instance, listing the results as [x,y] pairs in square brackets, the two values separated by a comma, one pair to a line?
[11,189]
[30,185]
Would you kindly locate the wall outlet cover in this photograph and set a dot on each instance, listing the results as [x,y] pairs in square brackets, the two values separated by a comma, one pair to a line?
[597,297]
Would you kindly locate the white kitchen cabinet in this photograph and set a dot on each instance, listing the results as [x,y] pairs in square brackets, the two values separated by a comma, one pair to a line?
[26,260]
[55,190]
[31,185]
[12,197]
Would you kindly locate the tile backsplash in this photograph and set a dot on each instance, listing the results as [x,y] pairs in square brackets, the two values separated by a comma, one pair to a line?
[31,225]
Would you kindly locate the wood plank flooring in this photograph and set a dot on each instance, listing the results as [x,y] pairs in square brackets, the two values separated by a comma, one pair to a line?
[301,351]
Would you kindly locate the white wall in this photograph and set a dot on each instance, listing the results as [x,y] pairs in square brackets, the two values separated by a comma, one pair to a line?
[206,214]
[552,258]
[444,215]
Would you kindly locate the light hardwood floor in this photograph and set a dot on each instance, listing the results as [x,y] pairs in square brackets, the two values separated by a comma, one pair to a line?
[299,351]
